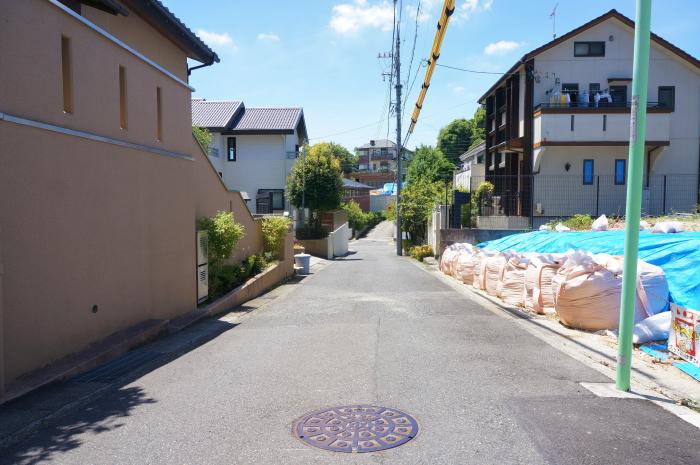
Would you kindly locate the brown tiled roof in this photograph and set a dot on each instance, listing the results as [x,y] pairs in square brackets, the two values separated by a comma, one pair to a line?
[215,114]
[610,14]
[267,119]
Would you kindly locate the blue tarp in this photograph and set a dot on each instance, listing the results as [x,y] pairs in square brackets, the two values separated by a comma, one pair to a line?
[390,188]
[677,254]
[660,351]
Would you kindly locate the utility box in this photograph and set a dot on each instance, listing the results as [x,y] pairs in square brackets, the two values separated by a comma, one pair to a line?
[202,266]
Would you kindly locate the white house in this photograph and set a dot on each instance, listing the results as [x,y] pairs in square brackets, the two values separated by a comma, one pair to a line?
[560,155]
[253,149]
[473,167]
[380,155]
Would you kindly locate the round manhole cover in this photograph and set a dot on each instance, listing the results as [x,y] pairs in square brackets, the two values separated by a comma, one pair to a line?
[357,428]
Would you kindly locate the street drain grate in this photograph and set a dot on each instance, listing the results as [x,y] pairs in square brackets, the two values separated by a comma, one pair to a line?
[114,369]
[355,428]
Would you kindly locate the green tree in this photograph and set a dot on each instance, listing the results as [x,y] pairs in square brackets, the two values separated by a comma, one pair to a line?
[417,201]
[455,138]
[428,163]
[202,136]
[347,159]
[318,181]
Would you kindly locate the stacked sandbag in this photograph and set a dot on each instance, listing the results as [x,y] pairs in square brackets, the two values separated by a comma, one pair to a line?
[465,266]
[538,294]
[512,288]
[495,266]
[464,249]
[479,281]
[588,289]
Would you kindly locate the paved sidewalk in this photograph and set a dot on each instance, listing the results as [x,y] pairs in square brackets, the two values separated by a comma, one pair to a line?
[372,328]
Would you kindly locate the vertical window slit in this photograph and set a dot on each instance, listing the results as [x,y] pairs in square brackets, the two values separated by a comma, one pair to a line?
[605,122]
[67,71]
[572,122]
[159,99]
[122,97]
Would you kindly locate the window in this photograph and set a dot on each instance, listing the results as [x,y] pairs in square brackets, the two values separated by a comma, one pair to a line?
[589,49]
[587,172]
[667,96]
[122,97]
[605,122]
[67,71]
[619,95]
[620,171]
[572,122]
[593,88]
[231,149]
[159,109]
[221,175]
[276,197]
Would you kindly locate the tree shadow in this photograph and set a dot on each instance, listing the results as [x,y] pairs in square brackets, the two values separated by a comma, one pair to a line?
[103,415]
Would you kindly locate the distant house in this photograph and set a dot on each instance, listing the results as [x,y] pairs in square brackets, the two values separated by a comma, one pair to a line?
[358,192]
[473,167]
[380,156]
[253,149]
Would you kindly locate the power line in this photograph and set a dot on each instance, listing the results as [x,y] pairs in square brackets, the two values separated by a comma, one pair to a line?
[481,72]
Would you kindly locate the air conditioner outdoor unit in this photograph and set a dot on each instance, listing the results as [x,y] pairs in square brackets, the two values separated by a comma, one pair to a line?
[202,266]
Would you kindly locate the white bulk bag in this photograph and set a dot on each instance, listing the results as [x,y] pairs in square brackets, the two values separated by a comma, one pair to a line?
[464,249]
[654,328]
[480,268]
[667,227]
[561,228]
[601,224]
[465,267]
[537,294]
[512,288]
[587,291]
[495,266]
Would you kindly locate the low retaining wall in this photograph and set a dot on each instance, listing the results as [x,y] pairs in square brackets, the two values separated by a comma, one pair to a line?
[472,236]
[336,244]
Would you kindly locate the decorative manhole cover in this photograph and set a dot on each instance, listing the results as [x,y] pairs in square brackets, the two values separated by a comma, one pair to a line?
[356,428]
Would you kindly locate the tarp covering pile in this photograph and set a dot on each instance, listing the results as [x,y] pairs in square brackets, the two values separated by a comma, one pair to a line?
[678,255]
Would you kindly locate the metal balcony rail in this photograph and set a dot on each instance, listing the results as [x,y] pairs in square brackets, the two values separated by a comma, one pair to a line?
[292,155]
[593,105]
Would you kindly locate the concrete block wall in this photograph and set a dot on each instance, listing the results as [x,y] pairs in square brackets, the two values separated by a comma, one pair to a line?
[472,236]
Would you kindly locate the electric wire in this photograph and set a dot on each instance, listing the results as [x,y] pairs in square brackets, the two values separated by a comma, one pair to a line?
[481,72]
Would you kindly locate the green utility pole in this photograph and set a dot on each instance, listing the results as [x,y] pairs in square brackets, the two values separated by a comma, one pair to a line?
[638,118]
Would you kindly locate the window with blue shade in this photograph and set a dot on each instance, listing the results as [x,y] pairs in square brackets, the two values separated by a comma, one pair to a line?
[620,166]
[587,171]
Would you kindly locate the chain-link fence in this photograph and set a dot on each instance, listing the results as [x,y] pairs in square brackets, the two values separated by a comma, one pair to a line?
[522,202]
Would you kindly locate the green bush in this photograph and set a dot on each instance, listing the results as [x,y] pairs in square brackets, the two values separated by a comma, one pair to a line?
[274,229]
[465,216]
[227,277]
[223,236]
[419,252]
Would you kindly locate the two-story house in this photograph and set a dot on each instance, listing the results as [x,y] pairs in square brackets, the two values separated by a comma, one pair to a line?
[380,155]
[253,149]
[558,126]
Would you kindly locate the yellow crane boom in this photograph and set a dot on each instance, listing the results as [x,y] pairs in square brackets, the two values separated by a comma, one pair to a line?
[447,11]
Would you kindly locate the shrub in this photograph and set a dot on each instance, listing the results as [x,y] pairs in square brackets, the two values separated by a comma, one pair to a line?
[465,217]
[223,236]
[575,223]
[274,229]
[419,252]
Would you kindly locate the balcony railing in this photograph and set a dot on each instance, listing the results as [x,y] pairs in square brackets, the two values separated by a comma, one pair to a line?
[593,106]
[292,155]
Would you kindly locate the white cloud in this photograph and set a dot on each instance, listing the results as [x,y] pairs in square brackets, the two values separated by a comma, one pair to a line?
[463,11]
[501,47]
[269,36]
[351,17]
[459,89]
[212,38]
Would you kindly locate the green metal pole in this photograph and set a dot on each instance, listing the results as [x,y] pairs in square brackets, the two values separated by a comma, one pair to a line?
[638,119]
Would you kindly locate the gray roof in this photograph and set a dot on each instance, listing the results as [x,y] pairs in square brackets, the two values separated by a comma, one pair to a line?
[481,147]
[356,185]
[382,144]
[267,119]
[215,114]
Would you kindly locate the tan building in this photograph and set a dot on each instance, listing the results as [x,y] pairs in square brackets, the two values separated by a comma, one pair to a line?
[101,178]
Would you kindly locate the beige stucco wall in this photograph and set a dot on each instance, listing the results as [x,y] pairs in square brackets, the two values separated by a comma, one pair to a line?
[33,85]
[91,224]
[138,34]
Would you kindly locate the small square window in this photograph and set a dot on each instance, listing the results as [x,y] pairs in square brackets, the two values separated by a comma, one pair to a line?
[581,49]
[589,49]
[620,172]
[231,149]
[587,172]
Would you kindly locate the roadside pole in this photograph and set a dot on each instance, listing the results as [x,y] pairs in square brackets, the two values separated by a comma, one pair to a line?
[638,116]
[303,183]
[399,150]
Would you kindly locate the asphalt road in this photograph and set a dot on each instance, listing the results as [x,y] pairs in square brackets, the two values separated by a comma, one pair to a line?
[372,329]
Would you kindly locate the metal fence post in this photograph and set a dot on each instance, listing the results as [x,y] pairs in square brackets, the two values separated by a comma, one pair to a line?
[663,208]
[597,196]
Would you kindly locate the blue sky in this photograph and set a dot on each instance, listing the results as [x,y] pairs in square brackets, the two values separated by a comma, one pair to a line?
[322,55]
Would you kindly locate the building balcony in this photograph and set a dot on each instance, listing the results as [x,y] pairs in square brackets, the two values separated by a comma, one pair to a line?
[556,124]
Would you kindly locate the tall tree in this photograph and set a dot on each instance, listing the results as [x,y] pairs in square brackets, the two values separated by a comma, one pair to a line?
[455,138]
[317,180]
[428,163]
[347,159]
